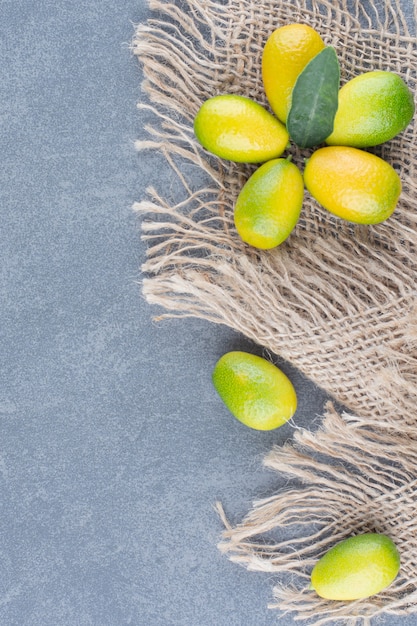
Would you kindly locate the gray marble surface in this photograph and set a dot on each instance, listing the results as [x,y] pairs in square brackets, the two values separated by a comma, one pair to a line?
[113,445]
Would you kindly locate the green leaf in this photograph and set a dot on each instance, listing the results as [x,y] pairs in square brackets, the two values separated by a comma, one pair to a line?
[314,100]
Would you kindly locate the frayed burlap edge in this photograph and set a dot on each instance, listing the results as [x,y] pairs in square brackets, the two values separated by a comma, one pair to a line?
[348,479]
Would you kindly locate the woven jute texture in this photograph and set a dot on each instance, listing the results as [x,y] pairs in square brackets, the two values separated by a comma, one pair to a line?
[337,300]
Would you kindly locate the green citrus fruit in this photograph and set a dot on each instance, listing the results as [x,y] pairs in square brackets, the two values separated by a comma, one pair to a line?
[239,129]
[286,53]
[353,184]
[373,108]
[257,392]
[358,567]
[269,204]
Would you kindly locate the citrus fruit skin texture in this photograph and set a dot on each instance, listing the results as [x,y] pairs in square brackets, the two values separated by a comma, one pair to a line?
[254,390]
[358,567]
[373,108]
[269,204]
[353,184]
[239,129]
[286,53]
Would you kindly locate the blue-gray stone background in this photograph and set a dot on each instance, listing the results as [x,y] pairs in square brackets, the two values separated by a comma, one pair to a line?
[114,446]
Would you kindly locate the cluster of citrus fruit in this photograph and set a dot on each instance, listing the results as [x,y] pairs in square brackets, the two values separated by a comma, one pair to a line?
[301,79]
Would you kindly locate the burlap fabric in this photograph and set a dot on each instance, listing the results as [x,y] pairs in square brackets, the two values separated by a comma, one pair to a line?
[337,300]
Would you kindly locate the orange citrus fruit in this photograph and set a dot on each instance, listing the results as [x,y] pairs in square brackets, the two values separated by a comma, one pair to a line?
[357,567]
[353,184]
[286,53]
[239,129]
[269,204]
[373,108]
[254,390]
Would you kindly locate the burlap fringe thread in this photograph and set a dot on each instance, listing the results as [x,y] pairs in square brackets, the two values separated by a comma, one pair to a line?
[337,300]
